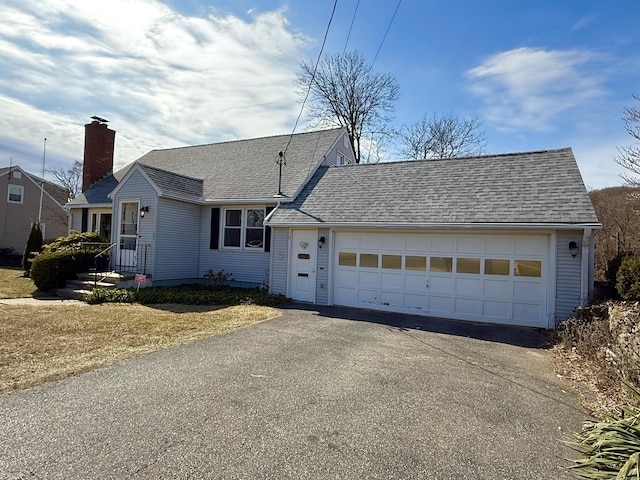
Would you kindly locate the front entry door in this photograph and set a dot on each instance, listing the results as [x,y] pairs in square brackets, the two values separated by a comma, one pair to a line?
[303,265]
[128,241]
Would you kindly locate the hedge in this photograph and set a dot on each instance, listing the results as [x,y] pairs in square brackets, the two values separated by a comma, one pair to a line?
[52,270]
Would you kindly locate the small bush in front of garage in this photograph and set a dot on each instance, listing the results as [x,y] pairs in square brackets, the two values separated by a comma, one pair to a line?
[188,295]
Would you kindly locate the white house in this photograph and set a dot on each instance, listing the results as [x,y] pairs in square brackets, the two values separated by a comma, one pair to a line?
[498,238]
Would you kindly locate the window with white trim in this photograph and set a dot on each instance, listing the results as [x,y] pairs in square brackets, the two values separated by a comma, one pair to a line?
[340,161]
[16,194]
[243,228]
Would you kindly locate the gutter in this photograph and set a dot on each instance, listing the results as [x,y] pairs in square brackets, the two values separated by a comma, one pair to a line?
[520,226]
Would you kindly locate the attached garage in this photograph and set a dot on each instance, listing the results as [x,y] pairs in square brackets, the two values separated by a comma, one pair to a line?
[501,238]
[501,279]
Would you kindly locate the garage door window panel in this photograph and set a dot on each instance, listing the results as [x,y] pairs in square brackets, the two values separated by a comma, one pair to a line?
[496,266]
[468,265]
[527,268]
[441,264]
[415,263]
[393,262]
[347,259]
[369,260]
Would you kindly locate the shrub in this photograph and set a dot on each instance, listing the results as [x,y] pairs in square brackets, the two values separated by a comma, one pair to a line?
[188,295]
[611,447]
[628,278]
[611,274]
[52,269]
[73,241]
[33,247]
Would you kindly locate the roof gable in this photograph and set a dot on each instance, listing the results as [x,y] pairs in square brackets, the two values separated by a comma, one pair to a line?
[530,187]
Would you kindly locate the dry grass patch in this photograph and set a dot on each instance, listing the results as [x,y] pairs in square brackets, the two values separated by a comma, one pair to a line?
[14,285]
[44,344]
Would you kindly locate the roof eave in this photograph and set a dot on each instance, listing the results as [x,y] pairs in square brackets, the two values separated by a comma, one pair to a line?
[496,225]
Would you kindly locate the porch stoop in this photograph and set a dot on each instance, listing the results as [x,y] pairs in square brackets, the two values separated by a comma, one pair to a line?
[81,287]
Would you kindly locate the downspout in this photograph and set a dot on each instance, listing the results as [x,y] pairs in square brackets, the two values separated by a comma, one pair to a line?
[585,283]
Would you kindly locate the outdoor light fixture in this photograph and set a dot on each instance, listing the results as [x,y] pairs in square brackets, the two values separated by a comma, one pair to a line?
[143,211]
[321,242]
[573,248]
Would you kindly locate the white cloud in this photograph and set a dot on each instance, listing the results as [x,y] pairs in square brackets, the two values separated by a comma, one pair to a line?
[527,88]
[161,78]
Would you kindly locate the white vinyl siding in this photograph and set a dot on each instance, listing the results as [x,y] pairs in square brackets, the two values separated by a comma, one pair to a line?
[322,276]
[568,275]
[340,148]
[249,265]
[279,260]
[137,189]
[177,240]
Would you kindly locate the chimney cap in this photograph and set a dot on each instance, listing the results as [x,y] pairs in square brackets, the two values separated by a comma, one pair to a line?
[100,119]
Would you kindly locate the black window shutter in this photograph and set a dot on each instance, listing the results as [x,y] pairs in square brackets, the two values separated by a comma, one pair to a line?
[267,232]
[215,229]
[85,220]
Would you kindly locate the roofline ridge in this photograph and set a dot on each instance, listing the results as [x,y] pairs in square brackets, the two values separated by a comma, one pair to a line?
[427,160]
[247,139]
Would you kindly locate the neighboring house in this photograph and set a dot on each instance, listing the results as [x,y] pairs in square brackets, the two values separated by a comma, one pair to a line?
[20,194]
[498,238]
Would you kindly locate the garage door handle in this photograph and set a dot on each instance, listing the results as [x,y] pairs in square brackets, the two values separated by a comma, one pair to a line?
[427,285]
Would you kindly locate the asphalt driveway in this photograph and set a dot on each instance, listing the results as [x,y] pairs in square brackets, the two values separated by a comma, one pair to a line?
[315,394]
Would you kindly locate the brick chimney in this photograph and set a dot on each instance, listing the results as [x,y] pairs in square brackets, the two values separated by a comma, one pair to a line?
[98,151]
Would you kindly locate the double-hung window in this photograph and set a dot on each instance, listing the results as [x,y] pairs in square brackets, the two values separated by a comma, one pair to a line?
[16,194]
[243,228]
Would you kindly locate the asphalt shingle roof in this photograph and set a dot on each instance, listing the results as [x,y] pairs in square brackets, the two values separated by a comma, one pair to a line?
[247,169]
[235,170]
[174,185]
[531,187]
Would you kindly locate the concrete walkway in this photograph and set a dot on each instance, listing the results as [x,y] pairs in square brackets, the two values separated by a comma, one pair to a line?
[41,301]
[314,394]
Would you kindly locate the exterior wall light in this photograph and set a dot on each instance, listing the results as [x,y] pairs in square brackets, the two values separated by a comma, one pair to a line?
[321,242]
[143,211]
[573,248]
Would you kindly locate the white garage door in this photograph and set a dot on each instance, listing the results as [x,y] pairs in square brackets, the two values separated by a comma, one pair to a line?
[490,278]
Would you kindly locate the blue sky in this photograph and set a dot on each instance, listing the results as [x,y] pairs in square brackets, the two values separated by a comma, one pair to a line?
[539,75]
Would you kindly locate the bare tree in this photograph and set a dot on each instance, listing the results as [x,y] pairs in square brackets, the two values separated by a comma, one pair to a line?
[444,136]
[70,179]
[345,91]
[629,157]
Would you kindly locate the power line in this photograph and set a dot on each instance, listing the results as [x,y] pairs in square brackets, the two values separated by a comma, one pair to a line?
[351,26]
[313,76]
[387,31]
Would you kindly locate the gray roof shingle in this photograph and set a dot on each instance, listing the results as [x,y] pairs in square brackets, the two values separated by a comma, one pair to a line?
[532,187]
[175,185]
[235,170]
[247,169]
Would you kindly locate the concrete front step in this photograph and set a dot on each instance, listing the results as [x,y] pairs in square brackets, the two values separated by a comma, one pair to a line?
[89,284]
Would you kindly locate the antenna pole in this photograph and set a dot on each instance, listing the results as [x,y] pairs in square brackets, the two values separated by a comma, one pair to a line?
[44,153]
[280,161]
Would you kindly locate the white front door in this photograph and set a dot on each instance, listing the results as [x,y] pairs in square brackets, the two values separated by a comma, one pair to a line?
[128,234]
[303,265]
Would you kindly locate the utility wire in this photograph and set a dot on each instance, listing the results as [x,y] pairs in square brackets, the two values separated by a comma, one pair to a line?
[313,76]
[387,31]
[351,27]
